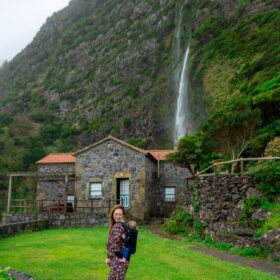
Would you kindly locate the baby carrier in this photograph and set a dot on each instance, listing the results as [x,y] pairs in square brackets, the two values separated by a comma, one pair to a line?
[131,238]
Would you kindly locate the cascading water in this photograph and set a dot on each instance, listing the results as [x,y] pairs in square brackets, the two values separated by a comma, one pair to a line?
[183,120]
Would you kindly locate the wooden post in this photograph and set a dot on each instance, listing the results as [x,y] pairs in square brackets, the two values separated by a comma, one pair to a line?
[9,194]
[215,168]
[66,192]
[241,166]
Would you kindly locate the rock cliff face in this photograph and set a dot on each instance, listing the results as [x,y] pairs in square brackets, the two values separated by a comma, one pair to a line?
[100,66]
[105,67]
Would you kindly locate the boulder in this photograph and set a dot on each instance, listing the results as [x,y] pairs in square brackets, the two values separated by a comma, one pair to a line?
[270,238]
[260,215]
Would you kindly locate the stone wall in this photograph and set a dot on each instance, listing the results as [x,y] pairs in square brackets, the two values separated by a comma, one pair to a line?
[217,201]
[7,230]
[170,175]
[14,223]
[108,162]
[220,205]
[53,184]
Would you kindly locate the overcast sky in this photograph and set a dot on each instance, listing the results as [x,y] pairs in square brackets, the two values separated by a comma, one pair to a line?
[20,20]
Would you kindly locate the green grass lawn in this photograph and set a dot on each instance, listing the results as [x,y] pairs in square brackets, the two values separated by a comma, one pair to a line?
[79,253]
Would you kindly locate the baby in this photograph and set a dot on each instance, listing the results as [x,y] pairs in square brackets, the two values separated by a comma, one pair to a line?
[130,240]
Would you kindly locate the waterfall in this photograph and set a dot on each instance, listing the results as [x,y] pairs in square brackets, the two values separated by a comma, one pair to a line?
[182,118]
[183,121]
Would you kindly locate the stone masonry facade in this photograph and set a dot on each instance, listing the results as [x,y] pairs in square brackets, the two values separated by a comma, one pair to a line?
[55,182]
[107,163]
[169,175]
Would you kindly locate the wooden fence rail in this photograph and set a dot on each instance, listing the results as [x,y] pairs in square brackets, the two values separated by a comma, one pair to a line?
[61,206]
[234,161]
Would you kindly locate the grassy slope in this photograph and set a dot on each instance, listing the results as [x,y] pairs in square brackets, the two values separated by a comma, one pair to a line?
[80,253]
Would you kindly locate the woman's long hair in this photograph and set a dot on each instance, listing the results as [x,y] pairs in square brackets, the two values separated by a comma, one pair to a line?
[111,215]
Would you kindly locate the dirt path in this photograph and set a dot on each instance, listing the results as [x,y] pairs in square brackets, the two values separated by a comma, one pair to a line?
[262,265]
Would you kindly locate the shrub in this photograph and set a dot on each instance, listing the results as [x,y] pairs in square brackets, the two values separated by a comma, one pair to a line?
[267,176]
[249,204]
[171,226]
[4,274]
[138,142]
[198,226]
[273,148]
[180,221]
[273,220]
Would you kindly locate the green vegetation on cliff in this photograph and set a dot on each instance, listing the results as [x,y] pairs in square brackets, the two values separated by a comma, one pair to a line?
[104,67]
[236,59]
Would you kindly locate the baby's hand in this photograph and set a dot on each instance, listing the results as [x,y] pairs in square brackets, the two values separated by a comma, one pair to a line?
[123,260]
[123,236]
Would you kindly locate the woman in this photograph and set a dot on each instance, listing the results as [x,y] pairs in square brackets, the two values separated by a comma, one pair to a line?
[115,243]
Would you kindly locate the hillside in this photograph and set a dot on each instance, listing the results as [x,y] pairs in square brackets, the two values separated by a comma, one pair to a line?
[100,67]
[235,64]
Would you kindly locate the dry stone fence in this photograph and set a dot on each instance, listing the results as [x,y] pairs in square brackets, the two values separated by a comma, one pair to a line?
[220,206]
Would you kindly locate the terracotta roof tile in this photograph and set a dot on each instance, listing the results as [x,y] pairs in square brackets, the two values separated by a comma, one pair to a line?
[160,154]
[57,158]
[70,157]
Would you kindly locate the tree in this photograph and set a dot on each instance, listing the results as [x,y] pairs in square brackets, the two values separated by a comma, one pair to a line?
[233,131]
[189,152]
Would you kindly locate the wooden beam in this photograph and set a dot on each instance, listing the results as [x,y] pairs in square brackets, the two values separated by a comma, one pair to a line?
[22,174]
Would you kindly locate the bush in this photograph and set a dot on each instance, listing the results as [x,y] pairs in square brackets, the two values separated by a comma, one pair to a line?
[249,204]
[198,226]
[4,274]
[273,148]
[180,221]
[171,226]
[273,220]
[138,142]
[267,176]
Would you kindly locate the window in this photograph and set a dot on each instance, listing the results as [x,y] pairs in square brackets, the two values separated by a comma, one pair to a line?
[169,194]
[124,192]
[70,203]
[71,199]
[95,190]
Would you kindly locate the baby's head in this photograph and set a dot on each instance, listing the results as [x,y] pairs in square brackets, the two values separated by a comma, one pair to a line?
[132,225]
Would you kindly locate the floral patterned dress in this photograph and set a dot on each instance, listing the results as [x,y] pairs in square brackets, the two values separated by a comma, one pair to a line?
[114,245]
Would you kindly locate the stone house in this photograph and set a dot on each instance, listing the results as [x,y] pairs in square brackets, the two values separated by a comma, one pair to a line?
[108,172]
